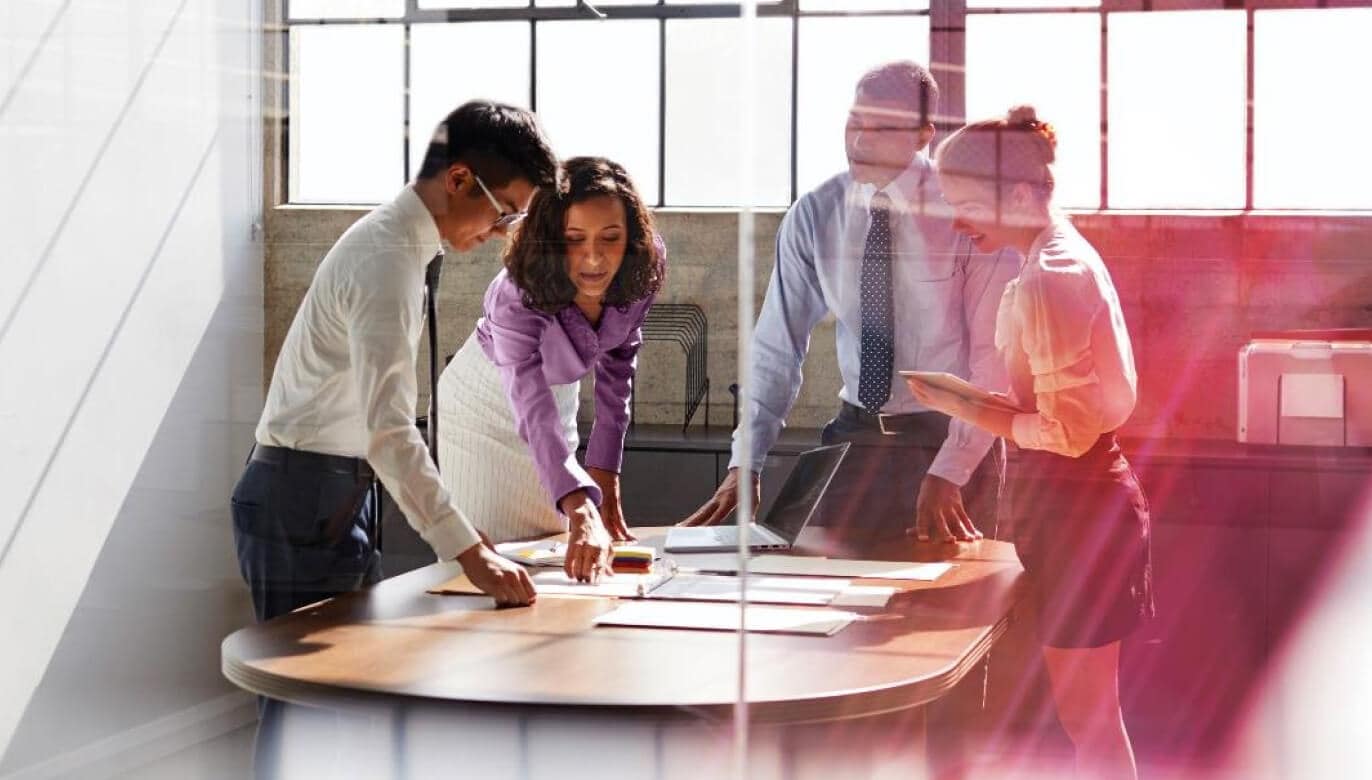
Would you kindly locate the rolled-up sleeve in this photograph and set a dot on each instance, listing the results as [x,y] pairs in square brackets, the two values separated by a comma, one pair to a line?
[1055,313]
[983,283]
[516,334]
[385,309]
[793,306]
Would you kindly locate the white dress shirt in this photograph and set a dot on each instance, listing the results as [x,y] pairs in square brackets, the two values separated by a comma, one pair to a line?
[1062,329]
[345,382]
[945,296]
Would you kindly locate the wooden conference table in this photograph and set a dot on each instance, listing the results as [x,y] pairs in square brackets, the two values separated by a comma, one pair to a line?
[398,650]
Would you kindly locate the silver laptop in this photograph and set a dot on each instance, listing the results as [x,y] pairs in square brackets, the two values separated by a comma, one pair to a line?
[789,515]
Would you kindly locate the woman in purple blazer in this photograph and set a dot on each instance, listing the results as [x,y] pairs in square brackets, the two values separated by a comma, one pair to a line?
[579,278]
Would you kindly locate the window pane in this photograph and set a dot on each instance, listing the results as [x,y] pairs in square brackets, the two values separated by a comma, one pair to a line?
[1177,122]
[474,4]
[347,113]
[1033,3]
[347,9]
[704,101]
[453,63]
[1310,146]
[1009,64]
[834,53]
[864,5]
[598,93]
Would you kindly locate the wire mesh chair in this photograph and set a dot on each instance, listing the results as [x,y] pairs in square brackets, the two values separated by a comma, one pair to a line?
[685,324]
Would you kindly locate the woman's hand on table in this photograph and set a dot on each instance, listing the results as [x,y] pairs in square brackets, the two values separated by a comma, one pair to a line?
[588,543]
[611,510]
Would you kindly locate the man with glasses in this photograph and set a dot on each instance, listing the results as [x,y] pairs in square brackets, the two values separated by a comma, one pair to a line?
[340,409]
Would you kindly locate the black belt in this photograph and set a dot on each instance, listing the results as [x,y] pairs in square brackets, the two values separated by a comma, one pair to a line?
[340,522]
[933,425]
[315,461]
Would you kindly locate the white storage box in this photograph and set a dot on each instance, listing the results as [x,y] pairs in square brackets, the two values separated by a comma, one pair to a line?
[1310,388]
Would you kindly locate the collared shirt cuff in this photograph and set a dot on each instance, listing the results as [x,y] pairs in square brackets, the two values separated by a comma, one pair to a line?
[572,480]
[951,468]
[450,536]
[1026,431]
[603,451]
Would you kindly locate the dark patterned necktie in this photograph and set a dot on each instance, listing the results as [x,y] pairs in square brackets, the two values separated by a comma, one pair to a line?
[878,321]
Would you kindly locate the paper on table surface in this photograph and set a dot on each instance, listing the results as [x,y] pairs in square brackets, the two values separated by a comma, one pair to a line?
[871,596]
[725,617]
[816,567]
[541,552]
[811,591]
[556,582]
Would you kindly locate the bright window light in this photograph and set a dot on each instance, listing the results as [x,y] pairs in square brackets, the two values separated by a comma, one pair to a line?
[347,113]
[452,63]
[1310,111]
[834,53]
[704,101]
[598,93]
[1176,137]
[347,9]
[1009,64]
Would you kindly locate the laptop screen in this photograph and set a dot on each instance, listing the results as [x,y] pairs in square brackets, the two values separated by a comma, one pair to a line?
[802,490]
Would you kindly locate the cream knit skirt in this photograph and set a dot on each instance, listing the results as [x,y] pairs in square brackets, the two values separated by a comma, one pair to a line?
[486,466]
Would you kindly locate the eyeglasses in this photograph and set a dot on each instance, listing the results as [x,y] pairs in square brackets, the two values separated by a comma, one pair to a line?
[504,219]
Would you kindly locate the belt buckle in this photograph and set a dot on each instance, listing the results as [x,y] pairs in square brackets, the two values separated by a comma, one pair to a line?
[881,423]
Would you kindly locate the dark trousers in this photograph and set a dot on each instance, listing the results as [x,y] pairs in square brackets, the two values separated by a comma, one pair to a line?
[293,551]
[873,495]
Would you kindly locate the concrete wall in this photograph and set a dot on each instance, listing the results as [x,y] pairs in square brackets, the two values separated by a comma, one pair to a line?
[131,344]
[1194,287]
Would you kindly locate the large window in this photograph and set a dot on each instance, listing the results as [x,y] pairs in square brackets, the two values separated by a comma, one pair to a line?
[1210,104]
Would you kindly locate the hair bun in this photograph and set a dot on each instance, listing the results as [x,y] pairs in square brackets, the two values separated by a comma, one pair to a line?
[1026,117]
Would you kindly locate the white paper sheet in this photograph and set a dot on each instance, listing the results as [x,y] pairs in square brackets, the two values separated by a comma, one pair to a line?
[811,591]
[871,596]
[814,567]
[625,586]
[724,617]
[543,552]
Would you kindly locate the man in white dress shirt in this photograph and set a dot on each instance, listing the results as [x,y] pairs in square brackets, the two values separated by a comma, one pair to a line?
[340,409]
[874,247]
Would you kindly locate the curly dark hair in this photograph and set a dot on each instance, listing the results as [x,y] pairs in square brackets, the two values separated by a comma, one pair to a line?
[536,255]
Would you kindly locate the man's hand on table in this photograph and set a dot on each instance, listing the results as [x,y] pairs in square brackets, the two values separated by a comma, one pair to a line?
[588,543]
[504,580]
[940,515]
[724,501]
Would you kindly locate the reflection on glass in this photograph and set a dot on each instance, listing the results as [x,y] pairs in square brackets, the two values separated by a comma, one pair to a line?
[1177,122]
[598,93]
[347,111]
[1053,62]
[452,63]
[834,53]
[1310,113]
[704,100]
[347,9]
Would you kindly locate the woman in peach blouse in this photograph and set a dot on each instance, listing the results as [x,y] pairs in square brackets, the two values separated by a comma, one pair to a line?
[1079,518]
